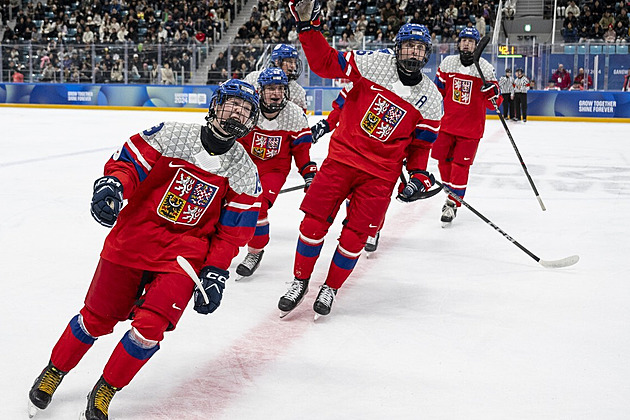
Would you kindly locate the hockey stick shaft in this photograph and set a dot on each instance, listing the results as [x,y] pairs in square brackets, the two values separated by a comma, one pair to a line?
[297,187]
[482,45]
[565,262]
[188,269]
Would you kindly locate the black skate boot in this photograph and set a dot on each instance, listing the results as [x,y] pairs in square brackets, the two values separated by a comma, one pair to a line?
[324,301]
[249,264]
[43,388]
[449,211]
[293,297]
[372,242]
[98,401]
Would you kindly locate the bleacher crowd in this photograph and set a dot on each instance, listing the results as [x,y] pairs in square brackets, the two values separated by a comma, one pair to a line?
[599,21]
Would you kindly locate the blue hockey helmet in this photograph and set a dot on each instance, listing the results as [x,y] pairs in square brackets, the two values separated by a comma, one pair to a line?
[412,32]
[270,100]
[283,53]
[235,120]
[469,32]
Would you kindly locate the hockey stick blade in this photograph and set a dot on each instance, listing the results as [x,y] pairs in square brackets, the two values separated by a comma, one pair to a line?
[297,187]
[188,269]
[564,262]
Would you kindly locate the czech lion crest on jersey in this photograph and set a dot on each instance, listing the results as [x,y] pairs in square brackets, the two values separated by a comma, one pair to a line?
[382,118]
[461,90]
[265,146]
[186,199]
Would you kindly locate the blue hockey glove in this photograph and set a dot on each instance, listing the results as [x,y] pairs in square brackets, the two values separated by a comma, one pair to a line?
[419,182]
[491,90]
[107,200]
[308,172]
[213,280]
[319,129]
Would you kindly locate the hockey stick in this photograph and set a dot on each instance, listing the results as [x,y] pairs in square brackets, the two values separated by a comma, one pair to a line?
[297,187]
[185,265]
[477,55]
[564,262]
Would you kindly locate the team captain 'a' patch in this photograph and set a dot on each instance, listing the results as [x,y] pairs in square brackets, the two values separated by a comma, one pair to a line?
[265,146]
[186,199]
[381,118]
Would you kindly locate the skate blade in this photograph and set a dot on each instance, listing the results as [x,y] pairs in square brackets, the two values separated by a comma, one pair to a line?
[446,225]
[285,313]
[32,410]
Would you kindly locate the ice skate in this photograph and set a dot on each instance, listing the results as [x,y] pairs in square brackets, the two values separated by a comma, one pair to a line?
[293,297]
[249,265]
[43,388]
[372,243]
[324,301]
[98,401]
[449,211]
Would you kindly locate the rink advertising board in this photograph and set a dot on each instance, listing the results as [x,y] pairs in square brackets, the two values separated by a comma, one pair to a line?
[547,104]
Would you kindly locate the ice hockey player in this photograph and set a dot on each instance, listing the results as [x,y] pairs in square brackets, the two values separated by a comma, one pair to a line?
[465,101]
[192,191]
[287,58]
[282,133]
[391,112]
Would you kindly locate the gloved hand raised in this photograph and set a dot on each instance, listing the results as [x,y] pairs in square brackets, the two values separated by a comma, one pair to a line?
[319,130]
[306,13]
[308,172]
[107,200]
[213,280]
[419,182]
[491,90]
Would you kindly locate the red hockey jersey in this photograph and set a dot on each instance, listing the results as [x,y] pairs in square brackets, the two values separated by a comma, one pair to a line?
[464,102]
[382,121]
[181,201]
[272,143]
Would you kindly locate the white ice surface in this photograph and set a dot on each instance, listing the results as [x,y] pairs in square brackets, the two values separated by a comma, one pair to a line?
[440,324]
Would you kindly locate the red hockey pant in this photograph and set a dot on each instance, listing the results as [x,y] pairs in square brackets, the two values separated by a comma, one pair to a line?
[455,155]
[271,183]
[154,301]
[365,213]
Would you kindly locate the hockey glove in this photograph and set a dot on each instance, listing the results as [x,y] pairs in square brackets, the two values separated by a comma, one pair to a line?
[319,129]
[213,280]
[419,182]
[306,13]
[107,200]
[308,172]
[491,90]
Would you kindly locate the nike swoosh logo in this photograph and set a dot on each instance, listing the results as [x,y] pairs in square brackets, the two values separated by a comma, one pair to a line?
[173,165]
[451,75]
[176,307]
[373,87]
[271,192]
[372,226]
[466,158]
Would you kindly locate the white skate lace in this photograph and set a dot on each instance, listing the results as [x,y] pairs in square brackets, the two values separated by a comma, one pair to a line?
[250,260]
[294,291]
[326,296]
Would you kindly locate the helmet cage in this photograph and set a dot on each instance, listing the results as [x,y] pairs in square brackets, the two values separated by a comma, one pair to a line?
[273,77]
[222,111]
[284,52]
[412,32]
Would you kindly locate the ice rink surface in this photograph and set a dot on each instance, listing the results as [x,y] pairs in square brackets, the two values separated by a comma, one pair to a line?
[440,324]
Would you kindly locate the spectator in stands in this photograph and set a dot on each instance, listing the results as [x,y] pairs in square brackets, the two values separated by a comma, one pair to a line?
[580,79]
[576,86]
[372,27]
[450,14]
[610,35]
[18,75]
[573,8]
[168,77]
[480,24]
[607,19]
[621,32]
[561,78]
[569,33]
[596,32]
[623,17]
[551,86]
[463,14]
[583,34]
[586,19]
[570,19]
[48,75]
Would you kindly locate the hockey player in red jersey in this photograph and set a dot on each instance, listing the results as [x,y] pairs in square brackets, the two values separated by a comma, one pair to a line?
[282,133]
[192,191]
[465,101]
[285,57]
[391,112]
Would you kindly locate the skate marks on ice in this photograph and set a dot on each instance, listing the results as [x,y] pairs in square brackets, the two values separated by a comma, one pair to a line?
[218,382]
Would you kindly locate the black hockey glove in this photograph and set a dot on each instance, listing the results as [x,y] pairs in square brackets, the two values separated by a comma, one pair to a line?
[213,280]
[107,200]
[419,182]
[319,129]
[491,90]
[308,172]
[306,14]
